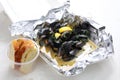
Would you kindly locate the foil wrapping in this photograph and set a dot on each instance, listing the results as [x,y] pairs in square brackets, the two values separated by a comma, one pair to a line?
[101,38]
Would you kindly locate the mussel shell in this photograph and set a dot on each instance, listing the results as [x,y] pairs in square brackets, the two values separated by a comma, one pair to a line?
[79,37]
[79,45]
[85,25]
[77,29]
[68,57]
[73,52]
[65,48]
[55,26]
[66,35]
[54,42]
[85,32]
[43,31]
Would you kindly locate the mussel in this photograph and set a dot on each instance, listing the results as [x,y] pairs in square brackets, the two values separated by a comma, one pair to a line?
[55,26]
[66,35]
[85,25]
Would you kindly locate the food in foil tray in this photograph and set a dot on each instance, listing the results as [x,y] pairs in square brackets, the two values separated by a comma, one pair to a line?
[65,42]
[68,42]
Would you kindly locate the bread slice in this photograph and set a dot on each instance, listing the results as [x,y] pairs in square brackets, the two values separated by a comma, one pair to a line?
[23,50]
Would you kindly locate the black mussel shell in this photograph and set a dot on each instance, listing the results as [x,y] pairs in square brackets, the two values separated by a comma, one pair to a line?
[85,32]
[67,57]
[56,43]
[79,45]
[55,26]
[74,52]
[65,48]
[45,31]
[66,35]
[85,25]
[79,37]
[77,29]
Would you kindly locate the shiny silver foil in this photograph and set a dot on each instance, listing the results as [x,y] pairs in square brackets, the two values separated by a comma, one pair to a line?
[102,39]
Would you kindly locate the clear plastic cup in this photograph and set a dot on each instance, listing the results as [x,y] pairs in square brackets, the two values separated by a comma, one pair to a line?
[26,65]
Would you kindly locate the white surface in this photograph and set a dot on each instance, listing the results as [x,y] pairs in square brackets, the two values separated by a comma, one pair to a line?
[105,12]
[1,8]
[19,10]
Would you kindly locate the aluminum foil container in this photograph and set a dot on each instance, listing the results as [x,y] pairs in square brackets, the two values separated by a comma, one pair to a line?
[102,39]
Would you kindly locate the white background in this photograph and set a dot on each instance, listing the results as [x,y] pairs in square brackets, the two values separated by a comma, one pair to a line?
[105,12]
